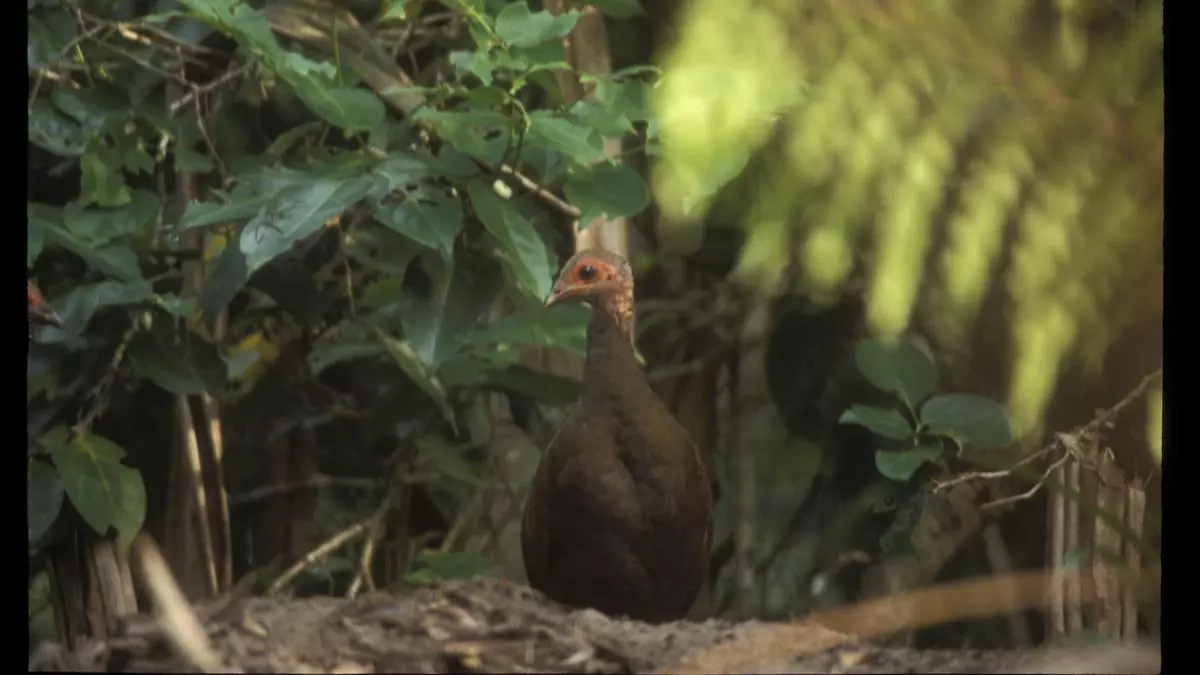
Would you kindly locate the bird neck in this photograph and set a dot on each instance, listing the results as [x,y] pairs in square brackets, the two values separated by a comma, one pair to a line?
[611,365]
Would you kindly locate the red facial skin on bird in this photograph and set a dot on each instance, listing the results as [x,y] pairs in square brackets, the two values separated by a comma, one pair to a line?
[603,280]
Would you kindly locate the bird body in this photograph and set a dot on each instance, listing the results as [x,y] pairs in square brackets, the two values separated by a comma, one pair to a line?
[619,514]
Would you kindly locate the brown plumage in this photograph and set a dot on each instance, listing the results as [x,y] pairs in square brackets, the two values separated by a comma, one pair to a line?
[619,513]
[39,311]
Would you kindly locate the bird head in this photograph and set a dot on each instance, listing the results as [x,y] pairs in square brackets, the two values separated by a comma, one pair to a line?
[39,311]
[601,278]
[595,275]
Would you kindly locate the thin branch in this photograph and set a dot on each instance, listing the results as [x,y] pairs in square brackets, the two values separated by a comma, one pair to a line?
[199,89]
[100,391]
[320,553]
[1061,442]
[317,481]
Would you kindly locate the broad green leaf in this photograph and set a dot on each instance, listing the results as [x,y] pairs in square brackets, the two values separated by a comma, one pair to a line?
[346,107]
[116,260]
[323,356]
[437,324]
[297,213]
[476,62]
[627,98]
[470,131]
[601,118]
[563,327]
[883,421]
[239,20]
[606,189]
[100,225]
[407,359]
[619,9]
[395,11]
[564,136]
[104,492]
[977,422]
[520,240]
[519,27]
[405,169]
[56,133]
[43,498]
[79,305]
[428,216]
[900,465]
[243,202]
[541,387]
[181,363]
[226,277]
[102,183]
[898,368]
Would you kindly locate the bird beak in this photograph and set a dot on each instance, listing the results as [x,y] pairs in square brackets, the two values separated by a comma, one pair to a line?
[561,293]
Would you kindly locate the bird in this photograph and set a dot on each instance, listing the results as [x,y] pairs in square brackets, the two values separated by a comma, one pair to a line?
[40,313]
[619,513]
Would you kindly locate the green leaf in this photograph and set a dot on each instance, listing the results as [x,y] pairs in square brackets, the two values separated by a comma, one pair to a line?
[395,11]
[105,492]
[428,216]
[519,27]
[470,131]
[898,368]
[605,189]
[619,9]
[564,136]
[79,305]
[883,421]
[226,276]
[99,225]
[436,325]
[102,183]
[323,356]
[350,108]
[181,363]
[117,260]
[542,387]
[900,465]
[298,212]
[54,132]
[478,63]
[975,421]
[44,498]
[242,203]
[526,251]
[562,328]
[407,359]
[601,118]
[627,98]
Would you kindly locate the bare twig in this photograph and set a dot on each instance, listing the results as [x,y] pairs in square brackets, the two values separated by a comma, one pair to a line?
[1103,420]
[200,89]
[317,481]
[396,494]
[320,553]
[1033,490]
[100,391]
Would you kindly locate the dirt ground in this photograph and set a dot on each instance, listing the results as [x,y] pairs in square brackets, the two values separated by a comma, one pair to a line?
[486,625]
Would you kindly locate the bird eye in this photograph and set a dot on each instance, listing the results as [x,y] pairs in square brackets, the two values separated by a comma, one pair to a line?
[587,272]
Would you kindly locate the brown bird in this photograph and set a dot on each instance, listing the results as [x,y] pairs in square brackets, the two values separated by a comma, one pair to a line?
[39,311]
[619,513]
